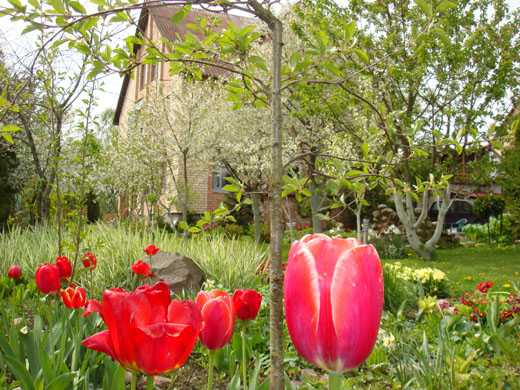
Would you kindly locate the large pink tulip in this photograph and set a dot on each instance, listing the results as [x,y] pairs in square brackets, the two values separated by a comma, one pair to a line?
[333,300]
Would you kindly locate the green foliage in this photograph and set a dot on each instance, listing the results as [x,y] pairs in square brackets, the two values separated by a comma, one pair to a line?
[8,186]
[510,181]
[489,206]
[498,229]
[40,343]
[230,262]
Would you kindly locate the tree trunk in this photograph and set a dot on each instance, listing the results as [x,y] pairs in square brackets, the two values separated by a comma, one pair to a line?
[410,223]
[185,185]
[276,274]
[44,202]
[256,216]
[315,208]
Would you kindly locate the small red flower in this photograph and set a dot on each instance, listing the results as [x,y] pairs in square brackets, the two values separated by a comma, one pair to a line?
[92,306]
[14,272]
[483,287]
[246,304]
[506,314]
[141,268]
[48,278]
[64,265]
[74,297]
[465,299]
[151,250]
[89,260]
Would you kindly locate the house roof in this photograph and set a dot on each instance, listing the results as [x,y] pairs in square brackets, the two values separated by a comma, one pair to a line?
[162,18]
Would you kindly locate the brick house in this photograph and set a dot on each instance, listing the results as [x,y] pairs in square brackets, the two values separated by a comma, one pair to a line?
[207,180]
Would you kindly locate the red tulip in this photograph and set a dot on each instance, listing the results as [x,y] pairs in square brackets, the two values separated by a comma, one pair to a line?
[14,272]
[333,300]
[92,306]
[89,260]
[216,308]
[74,297]
[65,267]
[483,287]
[146,332]
[246,304]
[142,268]
[48,278]
[151,250]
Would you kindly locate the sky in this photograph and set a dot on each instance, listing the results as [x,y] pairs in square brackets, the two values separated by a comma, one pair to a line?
[21,47]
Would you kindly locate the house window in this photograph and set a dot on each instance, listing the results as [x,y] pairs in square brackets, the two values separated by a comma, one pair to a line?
[142,76]
[219,178]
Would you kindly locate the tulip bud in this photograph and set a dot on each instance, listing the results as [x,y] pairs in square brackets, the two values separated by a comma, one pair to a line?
[65,267]
[247,304]
[14,272]
[151,250]
[141,268]
[216,308]
[48,278]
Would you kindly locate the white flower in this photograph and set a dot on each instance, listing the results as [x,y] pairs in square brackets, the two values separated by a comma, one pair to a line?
[386,339]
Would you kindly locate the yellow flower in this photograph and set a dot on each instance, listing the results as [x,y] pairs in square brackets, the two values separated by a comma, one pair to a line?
[469,277]
[506,285]
[427,304]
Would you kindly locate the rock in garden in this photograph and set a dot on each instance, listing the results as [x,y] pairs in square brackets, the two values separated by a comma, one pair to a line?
[180,272]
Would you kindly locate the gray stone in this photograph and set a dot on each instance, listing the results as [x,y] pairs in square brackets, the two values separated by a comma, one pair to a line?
[180,272]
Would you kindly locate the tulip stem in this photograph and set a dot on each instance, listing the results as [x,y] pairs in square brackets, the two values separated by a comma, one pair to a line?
[133,381]
[244,356]
[211,363]
[335,380]
[149,382]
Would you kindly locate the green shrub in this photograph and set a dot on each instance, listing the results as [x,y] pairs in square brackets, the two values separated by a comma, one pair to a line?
[391,246]
[500,231]
[399,293]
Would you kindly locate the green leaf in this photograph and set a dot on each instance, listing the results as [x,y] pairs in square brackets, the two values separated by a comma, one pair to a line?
[76,6]
[259,62]
[364,149]
[362,55]
[17,4]
[445,6]
[425,7]
[232,188]
[34,3]
[8,138]
[11,128]
[179,16]
[57,6]
[350,30]
[119,17]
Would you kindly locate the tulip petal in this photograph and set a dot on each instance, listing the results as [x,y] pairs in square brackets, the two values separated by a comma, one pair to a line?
[117,313]
[100,342]
[302,297]
[327,256]
[218,324]
[184,312]
[357,303]
[92,306]
[163,347]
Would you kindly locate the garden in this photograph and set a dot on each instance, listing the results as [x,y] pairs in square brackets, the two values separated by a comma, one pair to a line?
[256,194]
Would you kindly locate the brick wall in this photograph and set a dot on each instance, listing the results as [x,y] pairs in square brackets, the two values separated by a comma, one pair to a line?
[214,198]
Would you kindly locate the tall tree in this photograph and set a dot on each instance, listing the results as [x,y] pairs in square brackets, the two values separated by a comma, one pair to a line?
[437,74]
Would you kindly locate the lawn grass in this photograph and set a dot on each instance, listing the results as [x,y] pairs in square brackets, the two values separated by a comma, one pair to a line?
[465,267]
